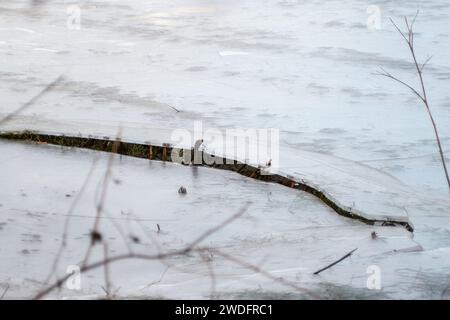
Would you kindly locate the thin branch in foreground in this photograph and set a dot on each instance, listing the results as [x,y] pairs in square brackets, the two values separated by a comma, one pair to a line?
[386,74]
[106,272]
[425,63]
[67,221]
[159,256]
[157,281]
[95,234]
[33,100]
[207,257]
[119,230]
[443,293]
[265,274]
[4,292]
[336,262]
[408,36]
[189,248]
[218,227]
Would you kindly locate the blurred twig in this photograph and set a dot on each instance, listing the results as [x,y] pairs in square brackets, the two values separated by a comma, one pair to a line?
[33,100]
[191,247]
[95,233]
[107,260]
[4,292]
[265,273]
[106,271]
[67,221]
[157,281]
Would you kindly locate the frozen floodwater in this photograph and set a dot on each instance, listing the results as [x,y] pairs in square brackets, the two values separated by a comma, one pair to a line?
[304,67]
[281,232]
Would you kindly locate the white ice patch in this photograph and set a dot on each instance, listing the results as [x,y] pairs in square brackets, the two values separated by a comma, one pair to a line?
[233,53]
[45,49]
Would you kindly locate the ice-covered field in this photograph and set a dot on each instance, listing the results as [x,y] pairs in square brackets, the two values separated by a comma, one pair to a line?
[304,67]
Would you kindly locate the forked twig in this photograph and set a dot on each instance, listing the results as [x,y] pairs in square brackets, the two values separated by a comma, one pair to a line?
[107,260]
[408,36]
[67,221]
[95,234]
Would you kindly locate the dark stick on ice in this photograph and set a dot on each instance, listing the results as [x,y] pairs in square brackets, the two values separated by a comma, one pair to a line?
[33,100]
[336,262]
[173,108]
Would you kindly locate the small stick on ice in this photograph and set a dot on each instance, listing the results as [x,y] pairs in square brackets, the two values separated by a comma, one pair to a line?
[336,262]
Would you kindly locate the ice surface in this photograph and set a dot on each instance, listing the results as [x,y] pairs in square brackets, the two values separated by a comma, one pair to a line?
[287,232]
[363,190]
[304,67]
[307,69]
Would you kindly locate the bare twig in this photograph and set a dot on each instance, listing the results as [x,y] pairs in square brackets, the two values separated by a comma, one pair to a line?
[67,221]
[33,100]
[119,230]
[264,273]
[4,292]
[218,227]
[425,63]
[159,256]
[95,234]
[157,281]
[336,262]
[408,36]
[155,242]
[207,258]
[147,233]
[443,293]
[106,272]
[189,248]
[386,74]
